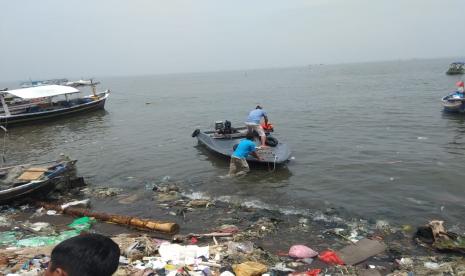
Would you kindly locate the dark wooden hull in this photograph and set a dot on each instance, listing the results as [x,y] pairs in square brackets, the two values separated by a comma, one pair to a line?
[37,188]
[26,118]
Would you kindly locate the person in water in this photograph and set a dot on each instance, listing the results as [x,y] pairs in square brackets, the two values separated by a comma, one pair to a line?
[85,255]
[238,165]
[253,123]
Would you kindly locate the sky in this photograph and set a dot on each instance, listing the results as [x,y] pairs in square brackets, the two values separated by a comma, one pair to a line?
[91,38]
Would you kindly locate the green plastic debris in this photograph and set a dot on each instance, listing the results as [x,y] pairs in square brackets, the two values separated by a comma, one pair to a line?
[83,223]
[78,225]
[7,237]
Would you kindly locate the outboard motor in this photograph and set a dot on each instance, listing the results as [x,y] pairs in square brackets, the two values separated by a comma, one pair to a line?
[219,126]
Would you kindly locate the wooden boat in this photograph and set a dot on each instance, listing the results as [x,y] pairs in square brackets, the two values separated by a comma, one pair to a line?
[46,102]
[30,180]
[222,140]
[456,68]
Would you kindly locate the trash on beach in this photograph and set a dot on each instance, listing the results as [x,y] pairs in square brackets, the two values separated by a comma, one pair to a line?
[81,224]
[43,227]
[4,221]
[436,236]
[249,269]
[102,192]
[240,247]
[80,203]
[301,252]
[431,265]
[179,254]
[310,272]
[330,257]
[360,251]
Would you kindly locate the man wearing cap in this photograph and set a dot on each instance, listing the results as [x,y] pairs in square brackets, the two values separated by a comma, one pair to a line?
[253,123]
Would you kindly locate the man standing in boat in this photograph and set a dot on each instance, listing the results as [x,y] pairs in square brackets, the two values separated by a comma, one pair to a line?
[238,165]
[253,123]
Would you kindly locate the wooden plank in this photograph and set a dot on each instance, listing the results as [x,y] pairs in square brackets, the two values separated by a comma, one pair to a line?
[360,251]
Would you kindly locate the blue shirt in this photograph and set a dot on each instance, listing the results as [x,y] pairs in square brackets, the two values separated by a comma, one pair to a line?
[244,148]
[256,115]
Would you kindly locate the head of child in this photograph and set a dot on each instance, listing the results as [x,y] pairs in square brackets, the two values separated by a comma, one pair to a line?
[85,255]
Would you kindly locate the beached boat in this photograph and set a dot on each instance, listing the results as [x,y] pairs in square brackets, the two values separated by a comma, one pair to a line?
[46,102]
[456,68]
[30,180]
[224,138]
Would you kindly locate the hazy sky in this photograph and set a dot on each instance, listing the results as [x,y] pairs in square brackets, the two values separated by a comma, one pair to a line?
[56,38]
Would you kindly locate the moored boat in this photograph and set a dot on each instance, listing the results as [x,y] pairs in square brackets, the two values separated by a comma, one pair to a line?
[46,102]
[30,180]
[223,139]
[455,102]
[456,68]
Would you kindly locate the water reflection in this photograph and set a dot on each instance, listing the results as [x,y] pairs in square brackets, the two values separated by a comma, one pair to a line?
[30,142]
[456,142]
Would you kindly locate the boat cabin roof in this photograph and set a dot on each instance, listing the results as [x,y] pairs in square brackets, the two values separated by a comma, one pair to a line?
[43,91]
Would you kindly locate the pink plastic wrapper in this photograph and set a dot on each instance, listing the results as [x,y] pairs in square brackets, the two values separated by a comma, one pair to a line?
[301,252]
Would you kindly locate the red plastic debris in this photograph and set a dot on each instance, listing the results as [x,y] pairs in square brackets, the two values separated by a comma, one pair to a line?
[330,257]
[311,272]
[194,240]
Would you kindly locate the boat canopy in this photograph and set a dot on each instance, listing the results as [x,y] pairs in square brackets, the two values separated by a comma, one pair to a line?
[43,91]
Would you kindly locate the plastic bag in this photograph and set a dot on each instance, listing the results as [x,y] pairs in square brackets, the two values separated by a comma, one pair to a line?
[249,269]
[83,223]
[330,257]
[302,252]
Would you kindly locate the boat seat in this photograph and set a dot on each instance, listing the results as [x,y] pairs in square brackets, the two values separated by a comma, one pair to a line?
[32,174]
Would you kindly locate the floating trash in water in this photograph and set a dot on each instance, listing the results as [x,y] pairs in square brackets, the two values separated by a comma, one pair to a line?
[422,138]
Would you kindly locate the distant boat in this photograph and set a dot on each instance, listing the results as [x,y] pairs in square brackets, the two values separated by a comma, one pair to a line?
[456,68]
[34,83]
[46,102]
[29,180]
[81,83]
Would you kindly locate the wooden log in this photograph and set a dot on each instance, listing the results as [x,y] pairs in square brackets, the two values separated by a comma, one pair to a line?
[143,224]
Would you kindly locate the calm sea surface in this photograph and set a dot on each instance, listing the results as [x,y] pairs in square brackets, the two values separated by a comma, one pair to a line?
[367,138]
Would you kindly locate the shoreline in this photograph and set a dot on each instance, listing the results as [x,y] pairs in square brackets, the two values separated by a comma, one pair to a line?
[270,232]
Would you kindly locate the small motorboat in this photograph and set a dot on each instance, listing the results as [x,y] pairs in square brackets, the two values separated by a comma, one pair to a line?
[455,102]
[456,68]
[32,180]
[224,138]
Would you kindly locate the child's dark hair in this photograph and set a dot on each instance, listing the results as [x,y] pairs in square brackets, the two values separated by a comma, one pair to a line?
[86,255]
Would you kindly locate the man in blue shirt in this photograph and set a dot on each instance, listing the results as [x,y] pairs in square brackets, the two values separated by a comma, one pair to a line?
[253,123]
[238,165]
